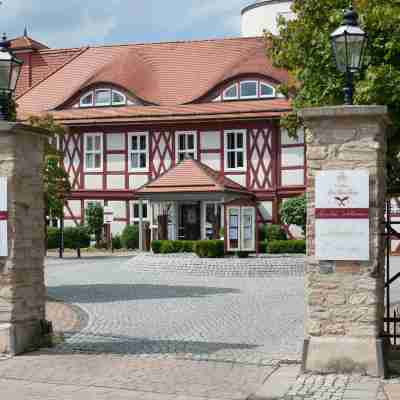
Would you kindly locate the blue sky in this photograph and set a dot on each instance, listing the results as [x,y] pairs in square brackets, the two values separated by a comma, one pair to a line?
[69,23]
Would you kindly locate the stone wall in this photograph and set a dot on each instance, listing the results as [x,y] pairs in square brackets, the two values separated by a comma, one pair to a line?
[345,299]
[22,289]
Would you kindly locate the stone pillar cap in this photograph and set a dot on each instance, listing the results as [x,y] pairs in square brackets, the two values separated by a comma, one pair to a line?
[15,127]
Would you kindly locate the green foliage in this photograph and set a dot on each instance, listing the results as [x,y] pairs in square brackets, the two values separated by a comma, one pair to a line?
[294,212]
[172,246]
[95,221]
[75,237]
[130,237]
[53,238]
[210,248]
[286,247]
[271,232]
[168,247]
[116,242]
[303,48]
[156,246]
[263,247]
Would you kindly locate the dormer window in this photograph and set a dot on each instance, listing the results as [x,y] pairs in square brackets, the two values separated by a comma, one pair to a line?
[103,97]
[266,91]
[248,89]
[231,93]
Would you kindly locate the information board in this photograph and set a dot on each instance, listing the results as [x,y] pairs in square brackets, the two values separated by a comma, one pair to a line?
[108,215]
[3,218]
[342,215]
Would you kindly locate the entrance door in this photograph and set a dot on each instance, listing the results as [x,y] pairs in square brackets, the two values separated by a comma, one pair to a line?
[190,222]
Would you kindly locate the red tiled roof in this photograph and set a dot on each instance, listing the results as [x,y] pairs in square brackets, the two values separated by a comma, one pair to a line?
[200,111]
[161,73]
[26,43]
[190,176]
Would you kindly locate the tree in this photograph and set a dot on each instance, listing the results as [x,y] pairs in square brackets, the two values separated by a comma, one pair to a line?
[56,182]
[294,212]
[95,221]
[303,48]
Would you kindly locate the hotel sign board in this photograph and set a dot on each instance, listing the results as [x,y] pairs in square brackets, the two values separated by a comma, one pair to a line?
[3,218]
[342,215]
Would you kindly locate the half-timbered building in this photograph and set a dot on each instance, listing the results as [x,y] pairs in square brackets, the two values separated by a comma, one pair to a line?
[137,115]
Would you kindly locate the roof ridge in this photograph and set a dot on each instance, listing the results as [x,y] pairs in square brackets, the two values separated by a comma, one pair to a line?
[79,53]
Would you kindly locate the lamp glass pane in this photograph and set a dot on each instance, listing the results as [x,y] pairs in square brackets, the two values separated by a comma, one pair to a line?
[5,67]
[340,52]
[16,68]
[355,49]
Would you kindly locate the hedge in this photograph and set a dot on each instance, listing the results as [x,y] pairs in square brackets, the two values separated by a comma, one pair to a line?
[286,247]
[172,246]
[116,242]
[130,237]
[210,248]
[271,232]
[74,237]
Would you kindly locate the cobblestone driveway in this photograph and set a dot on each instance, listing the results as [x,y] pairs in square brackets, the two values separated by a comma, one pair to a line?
[248,310]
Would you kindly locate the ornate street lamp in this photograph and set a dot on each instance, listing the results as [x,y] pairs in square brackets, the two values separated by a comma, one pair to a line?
[349,42]
[10,69]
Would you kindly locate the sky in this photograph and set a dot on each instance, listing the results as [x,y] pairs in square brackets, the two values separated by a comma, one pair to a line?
[73,23]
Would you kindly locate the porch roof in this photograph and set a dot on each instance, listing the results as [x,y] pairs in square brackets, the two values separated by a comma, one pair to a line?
[190,177]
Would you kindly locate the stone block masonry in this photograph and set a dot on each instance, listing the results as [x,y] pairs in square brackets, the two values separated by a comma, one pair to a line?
[345,299]
[22,288]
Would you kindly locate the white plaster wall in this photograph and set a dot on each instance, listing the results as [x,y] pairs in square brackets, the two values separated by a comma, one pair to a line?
[292,156]
[115,141]
[136,181]
[285,139]
[119,208]
[266,209]
[75,206]
[240,179]
[293,177]
[264,17]
[115,162]
[117,227]
[213,160]
[94,182]
[115,182]
[210,140]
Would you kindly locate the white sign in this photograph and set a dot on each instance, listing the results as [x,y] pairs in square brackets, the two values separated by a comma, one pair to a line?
[3,218]
[108,215]
[342,215]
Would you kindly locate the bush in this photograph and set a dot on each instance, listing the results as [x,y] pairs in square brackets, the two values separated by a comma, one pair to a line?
[286,247]
[53,238]
[271,232]
[263,247]
[168,246]
[130,237]
[76,237]
[294,212]
[156,246]
[116,242]
[210,248]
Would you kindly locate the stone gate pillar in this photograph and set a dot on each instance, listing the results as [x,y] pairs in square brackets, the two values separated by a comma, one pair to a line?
[345,264]
[22,289]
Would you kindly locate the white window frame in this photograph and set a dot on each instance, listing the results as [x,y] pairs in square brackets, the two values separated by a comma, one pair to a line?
[81,104]
[249,81]
[96,104]
[146,151]
[137,220]
[204,212]
[226,150]
[121,103]
[225,97]
[94,152]
[178,151]
[228,227]
[240,212]
[267,96]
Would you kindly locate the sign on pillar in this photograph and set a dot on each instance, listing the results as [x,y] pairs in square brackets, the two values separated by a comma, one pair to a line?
[108,215]
[3,218]
[342,215]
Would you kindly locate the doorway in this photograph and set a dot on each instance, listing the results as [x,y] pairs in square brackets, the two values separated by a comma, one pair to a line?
[189,222]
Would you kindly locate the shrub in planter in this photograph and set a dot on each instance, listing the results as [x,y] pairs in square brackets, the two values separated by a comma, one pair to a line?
[76,237]
[210,248]
[130,237]
[271,232]
[156,246]
[53,238]
[116,242]
[187,246]
[168,246]
[287,247]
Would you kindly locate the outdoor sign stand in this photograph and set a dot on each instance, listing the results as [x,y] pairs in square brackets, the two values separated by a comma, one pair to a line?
[3,218]
[108,220]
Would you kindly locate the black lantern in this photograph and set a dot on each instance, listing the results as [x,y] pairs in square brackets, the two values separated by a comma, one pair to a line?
[349,42]
[10,69]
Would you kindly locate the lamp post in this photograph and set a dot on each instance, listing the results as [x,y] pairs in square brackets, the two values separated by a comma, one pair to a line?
[10,69]
[349,42]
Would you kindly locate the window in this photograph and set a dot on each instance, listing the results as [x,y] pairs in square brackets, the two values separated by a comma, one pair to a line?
[235,145]
[213,220]
[241,228]
[231,93]
[266,90]
[87,100]
[248,89]
[102,97]
[118,98]
[138,158]
[186,145]
[136,211]
[93,151]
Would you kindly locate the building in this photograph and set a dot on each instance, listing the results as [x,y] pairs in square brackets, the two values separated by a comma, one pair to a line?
[138,115]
